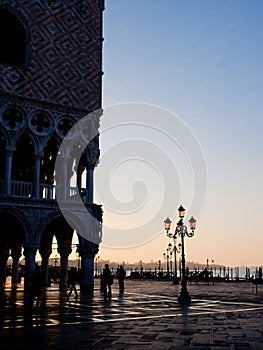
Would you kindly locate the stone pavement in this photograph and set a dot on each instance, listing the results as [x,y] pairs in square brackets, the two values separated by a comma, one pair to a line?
[226,315]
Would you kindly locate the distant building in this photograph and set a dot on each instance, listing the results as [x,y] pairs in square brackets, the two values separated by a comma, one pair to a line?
[51,77]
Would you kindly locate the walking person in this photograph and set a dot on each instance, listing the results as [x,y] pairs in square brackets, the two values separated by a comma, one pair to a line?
[72,280]
[106,282]
[121,274]
[36,285]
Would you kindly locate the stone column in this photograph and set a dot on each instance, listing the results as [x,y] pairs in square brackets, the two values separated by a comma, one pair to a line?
[29,253]
[87,252]
[92,157]
[15,254]
[62,185]
[79,171]
[89,184]
[8,168]
[15,269]
[45,254]
[64,253]
[64,179]
[4,253]
[36,177]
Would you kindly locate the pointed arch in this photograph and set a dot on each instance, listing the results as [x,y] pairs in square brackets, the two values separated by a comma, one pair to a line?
[24,159]
[13,39]
[48,161]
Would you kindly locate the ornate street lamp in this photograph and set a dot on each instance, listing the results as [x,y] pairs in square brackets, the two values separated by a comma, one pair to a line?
[166,257]
[176,250]
[181,230]
[96,266]
[167,223]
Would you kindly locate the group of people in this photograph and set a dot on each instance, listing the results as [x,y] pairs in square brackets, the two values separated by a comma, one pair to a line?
[107,280]
[105,286]
[36,283]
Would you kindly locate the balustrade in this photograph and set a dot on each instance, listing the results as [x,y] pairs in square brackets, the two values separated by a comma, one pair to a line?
[23,189]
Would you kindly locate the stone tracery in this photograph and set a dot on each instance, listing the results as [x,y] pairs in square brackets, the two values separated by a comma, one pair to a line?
[34,119]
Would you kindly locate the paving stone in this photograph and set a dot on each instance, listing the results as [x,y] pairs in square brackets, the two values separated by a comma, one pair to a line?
[220,316]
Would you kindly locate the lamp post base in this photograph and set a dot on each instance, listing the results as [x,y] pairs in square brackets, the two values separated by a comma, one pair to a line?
[183,296]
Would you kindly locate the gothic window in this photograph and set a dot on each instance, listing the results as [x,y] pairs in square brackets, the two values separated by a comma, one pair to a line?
[48,162]
[13,119]
[23,160]
[63,126]
[12,39]
[40,123]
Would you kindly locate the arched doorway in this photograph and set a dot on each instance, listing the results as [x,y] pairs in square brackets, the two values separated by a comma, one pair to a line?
[11,241]
[55,248]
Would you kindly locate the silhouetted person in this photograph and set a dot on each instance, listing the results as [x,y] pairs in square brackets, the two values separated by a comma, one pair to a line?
[106,282]
[72,280]
[36,285]
[121,274]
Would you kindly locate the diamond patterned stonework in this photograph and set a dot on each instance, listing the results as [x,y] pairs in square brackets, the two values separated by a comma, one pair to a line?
[50,78]
[72,31]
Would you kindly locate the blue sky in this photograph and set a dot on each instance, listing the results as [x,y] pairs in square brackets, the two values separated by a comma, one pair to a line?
[201,60]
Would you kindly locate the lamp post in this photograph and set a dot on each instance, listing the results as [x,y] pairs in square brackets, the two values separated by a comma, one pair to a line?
[55,261]
[181,230]
[55,270]
[78,262]
[180,260]
[166,257]
[96,266]
[141,268]
[207,263]
[175,250]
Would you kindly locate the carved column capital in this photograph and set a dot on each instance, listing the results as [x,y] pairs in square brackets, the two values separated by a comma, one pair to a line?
[30,249]
[88,250]
[65,250]
[16,251]
[92,153]
[45,252]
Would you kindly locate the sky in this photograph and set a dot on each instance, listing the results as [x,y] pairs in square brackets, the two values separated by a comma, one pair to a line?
[182,124]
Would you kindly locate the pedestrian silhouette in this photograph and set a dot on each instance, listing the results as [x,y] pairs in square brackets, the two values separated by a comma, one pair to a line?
[72,280]
[106,282]
[36,285]
[121,274]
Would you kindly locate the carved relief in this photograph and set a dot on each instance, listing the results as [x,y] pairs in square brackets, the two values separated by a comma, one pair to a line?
[13,119]
[40,123]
